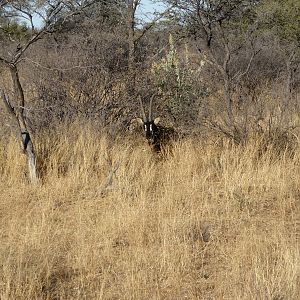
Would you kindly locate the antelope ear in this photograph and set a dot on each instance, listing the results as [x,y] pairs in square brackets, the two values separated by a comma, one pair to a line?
[140,121]
[137,120]
[156,120]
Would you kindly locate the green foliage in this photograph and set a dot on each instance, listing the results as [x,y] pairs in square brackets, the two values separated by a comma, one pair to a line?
[282,17]
[244,18]
[178,83]
[16,31]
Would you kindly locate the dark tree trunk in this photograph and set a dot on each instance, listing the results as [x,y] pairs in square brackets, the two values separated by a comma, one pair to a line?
[131,10]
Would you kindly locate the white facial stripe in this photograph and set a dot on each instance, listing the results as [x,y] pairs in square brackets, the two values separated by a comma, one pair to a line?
[150,127]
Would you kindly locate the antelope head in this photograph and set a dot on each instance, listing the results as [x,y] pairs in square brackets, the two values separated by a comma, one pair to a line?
[150,127]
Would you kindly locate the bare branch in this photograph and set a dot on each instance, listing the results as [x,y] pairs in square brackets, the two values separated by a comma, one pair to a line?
[239,75]
[51,22]
[26,46]
[28,16]
[7,103]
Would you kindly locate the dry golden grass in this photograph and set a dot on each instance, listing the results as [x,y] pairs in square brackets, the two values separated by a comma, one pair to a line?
[110,221]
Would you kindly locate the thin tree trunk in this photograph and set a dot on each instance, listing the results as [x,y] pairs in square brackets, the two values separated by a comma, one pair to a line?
[131,46]
[18,112]
[289,80]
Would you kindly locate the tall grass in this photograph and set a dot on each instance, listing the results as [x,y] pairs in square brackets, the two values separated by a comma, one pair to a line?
[110,220]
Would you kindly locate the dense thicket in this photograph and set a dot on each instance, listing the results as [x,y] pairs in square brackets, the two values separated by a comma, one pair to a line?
[226,66]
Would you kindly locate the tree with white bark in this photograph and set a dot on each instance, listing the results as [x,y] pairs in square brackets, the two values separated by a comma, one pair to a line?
[50,17]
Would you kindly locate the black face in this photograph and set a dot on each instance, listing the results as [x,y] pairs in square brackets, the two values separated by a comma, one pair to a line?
[151,131]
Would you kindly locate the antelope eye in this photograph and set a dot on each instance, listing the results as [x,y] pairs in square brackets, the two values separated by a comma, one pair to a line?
[150,127]
[145,127]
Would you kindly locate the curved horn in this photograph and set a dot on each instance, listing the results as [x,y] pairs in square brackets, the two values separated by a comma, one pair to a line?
[150,107]
[142,108]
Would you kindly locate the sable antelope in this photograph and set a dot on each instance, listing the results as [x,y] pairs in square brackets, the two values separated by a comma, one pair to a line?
[156,135]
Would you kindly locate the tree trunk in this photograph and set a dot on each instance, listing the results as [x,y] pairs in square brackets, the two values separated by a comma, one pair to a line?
[131,46]
[18,112]
[289,81]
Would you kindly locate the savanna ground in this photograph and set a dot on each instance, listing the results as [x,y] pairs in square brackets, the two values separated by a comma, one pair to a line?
[213,220]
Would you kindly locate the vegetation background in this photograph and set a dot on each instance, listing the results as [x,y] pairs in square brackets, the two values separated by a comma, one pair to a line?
[96,214]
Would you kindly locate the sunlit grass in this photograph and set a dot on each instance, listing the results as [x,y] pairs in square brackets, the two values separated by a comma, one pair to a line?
[109,220]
